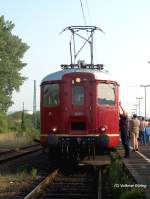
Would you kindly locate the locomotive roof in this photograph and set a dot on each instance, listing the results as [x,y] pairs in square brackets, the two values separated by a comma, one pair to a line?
[99,75]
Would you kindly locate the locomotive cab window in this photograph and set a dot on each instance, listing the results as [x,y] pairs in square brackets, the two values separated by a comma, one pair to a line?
[77,95]
[106,94]
[51,95]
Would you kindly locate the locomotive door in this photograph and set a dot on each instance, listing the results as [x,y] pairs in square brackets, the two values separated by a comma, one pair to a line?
[78,102]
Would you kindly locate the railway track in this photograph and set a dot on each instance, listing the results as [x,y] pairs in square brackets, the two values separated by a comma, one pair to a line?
[81,182]
[9,155]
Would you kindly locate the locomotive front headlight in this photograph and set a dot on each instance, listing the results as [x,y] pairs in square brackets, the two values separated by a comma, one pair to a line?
[54,129]
[103,129]
[78,80]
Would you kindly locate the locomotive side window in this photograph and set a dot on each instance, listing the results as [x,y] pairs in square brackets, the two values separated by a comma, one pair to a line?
[106,94]
[51,95]
[77,95]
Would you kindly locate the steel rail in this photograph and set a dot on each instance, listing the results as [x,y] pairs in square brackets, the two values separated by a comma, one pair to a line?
[68,184]
[14,154]
[40,187]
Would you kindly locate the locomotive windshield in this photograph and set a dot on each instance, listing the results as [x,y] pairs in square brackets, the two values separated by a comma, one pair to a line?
[77,95]
[106,94]
[51,95]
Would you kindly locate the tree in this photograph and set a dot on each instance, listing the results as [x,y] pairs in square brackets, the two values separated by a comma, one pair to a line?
[12,50]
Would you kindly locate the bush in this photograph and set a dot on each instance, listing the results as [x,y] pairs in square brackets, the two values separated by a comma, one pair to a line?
[3,123]
[34,172]
[133,194]
[20,122]
[33,133]
[13,125]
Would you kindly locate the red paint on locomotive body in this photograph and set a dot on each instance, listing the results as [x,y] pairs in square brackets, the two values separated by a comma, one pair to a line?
[80,103]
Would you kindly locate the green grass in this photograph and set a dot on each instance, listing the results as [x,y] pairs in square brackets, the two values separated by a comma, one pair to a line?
[12,184]
[133,194]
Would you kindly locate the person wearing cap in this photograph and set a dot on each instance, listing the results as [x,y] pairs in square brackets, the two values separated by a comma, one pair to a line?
[134,129]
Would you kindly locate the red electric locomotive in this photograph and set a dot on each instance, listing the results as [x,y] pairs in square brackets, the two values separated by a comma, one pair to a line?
[79,107]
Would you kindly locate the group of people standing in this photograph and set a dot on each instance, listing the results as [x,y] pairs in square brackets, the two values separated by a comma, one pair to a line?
[134,129]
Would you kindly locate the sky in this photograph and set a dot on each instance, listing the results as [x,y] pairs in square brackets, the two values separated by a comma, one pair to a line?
[124,49]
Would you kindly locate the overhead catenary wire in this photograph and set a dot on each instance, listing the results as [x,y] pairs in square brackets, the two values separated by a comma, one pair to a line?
[83,12]
[89,15]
